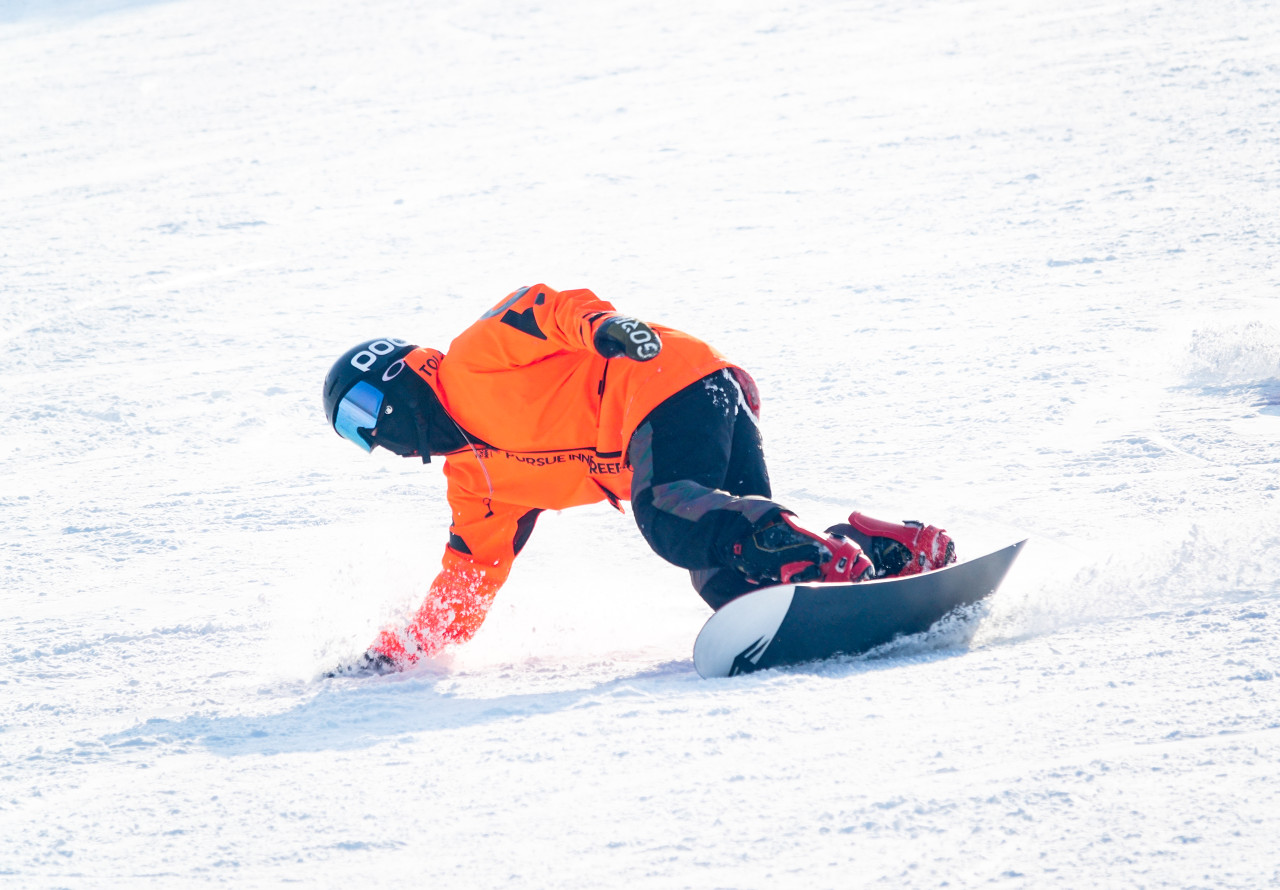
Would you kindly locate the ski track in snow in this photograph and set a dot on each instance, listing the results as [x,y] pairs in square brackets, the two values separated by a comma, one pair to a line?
[1007,268]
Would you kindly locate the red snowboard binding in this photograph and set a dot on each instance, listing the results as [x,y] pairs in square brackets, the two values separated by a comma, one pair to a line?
[899,549]
[779,551]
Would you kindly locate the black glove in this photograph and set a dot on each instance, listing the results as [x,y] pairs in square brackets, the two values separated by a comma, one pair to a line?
[371,663]
[620,336]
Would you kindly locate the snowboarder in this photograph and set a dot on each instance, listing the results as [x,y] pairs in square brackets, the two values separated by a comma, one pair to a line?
[553,399]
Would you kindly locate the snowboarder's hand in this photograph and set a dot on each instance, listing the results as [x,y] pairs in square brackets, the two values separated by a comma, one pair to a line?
[620,335]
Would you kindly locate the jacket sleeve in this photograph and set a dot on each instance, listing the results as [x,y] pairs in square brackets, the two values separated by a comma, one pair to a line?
[531,324]
[454,609]
[484,540]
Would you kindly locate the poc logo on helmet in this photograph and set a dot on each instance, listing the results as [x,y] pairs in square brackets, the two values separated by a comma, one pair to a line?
[368,357]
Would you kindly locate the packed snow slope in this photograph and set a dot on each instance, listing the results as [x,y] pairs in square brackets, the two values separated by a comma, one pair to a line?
[1005,267]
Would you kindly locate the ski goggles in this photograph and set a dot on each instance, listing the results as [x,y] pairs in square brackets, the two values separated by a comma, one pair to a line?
[357,414]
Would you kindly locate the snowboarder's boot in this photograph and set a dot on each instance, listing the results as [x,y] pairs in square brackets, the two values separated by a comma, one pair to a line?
[898,549]
[778,551]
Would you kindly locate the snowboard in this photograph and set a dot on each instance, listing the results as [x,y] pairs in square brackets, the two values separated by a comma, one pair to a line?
[794,623]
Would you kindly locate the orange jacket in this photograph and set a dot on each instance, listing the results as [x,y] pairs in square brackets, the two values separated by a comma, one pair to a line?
[551,418]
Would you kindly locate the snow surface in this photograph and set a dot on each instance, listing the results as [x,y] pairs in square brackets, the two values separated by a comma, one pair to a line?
[1006,267]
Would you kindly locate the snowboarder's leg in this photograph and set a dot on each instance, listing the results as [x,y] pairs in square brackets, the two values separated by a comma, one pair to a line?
[746,475]
[699,480]
[700,494]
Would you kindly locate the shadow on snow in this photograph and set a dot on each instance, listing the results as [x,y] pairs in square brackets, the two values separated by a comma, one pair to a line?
[13,11]
[355,714]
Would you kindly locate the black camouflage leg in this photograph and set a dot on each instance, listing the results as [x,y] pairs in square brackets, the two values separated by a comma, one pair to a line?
[747,475]
[700,482]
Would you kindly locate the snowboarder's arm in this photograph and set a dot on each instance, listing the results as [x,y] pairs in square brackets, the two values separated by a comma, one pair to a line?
[536,322]
[484,541]
[454,609]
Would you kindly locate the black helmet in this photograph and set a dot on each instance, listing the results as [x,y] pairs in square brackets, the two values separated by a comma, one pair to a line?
[357,385]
